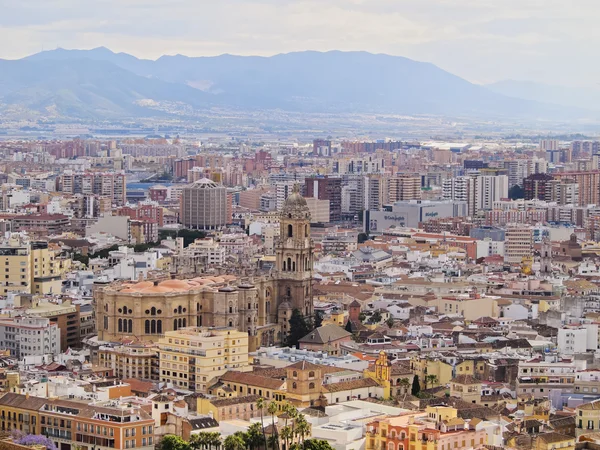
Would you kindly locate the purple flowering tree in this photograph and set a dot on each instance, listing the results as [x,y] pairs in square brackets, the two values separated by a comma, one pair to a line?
[32,439]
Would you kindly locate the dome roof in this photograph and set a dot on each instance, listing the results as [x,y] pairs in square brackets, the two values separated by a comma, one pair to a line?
[295,203]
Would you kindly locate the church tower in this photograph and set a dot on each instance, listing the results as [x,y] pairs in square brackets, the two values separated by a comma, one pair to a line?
[294,253]
[546,255]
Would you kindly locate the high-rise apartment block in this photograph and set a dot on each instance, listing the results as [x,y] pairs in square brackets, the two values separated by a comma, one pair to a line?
[403,187]
[588,182]
[111,185]
[29,336]
[204,205]
[326,188]
[518,243]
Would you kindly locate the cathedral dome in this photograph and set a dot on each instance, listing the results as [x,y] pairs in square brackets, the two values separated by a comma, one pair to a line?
[295,204]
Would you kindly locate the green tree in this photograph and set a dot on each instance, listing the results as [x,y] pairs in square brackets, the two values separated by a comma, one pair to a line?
[317,444]
[214,439]
[416,386]
[299,327]
[362,316]
[404,384]
[376,317]
[302,428]
[362,238]
[254,436]
[390,322]
[318,319]
[430,380]
[172,442]
[348,326]
[199,441]
[235,441]
[516,192]
[261,404]
[286,435]
[272,410]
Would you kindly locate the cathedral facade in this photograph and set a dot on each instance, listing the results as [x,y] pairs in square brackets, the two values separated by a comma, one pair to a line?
[260,306]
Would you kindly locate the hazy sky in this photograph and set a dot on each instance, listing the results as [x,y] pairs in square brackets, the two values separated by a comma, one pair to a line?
[554,41]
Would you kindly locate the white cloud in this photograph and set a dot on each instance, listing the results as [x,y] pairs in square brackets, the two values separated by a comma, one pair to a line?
[482,40]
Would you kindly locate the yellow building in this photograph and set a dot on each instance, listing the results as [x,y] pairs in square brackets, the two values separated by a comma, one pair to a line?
[472,367]
[30,266]
[587,417]
[467,388]
[192,357]
[552,441]
[431,373]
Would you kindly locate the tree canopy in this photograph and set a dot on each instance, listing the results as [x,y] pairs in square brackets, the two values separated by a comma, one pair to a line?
[299,327]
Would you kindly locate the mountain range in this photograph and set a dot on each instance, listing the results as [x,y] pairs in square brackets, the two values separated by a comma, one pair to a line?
[101,84]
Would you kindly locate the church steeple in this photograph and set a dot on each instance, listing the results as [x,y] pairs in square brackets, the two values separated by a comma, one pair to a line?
[294,252]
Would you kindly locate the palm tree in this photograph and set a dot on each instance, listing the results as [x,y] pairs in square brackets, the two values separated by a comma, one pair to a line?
[235,441]
[272,410]
[254,436]
[198,441]
[291,414]
[430,380]
[302,428]
[213,439]
[405,384]
[260,404]
[272,441]
[286,434]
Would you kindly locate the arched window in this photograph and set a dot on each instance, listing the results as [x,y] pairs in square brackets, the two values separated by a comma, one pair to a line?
[174,324]
[294,266]
[249,320]
[179,322]
[179,309]
[230,307]
[311,385]
[197,306]
[268,307]
[124,309]
[184,322]
[153,311]
[295,374]
[400,447]
[231,323]
[294,386]
[391,446]
[130,326]
[305,230]
[159,326]
[288,292]
[199,321]
[311,374]
[120,325]
[153,326]
[289,263]
[290,230]
[393,434]
[147,327]
[403,435]
[284,266]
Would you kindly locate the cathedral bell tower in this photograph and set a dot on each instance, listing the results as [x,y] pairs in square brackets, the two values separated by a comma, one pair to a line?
[294,252]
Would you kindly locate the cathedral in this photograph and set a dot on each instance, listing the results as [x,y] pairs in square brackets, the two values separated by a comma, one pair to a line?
[261,305]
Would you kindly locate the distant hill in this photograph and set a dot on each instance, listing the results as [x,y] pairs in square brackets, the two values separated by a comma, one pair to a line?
[99,83]
[87,89]
[587,98]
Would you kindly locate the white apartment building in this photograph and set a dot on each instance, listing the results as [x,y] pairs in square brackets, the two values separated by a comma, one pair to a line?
[456,188]
[539,377]
[203,251]
[518,243]
[29,336]
[572,340]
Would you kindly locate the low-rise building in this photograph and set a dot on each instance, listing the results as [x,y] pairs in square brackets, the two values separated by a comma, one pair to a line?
[193,357]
